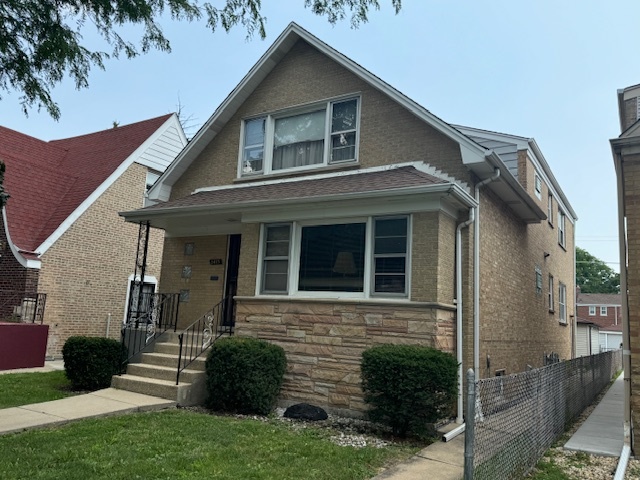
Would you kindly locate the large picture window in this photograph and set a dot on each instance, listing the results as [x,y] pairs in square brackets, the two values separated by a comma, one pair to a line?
[321,135]
[368,257]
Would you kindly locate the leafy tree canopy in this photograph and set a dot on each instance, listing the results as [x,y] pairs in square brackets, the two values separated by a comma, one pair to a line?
[595,276]
[41,40]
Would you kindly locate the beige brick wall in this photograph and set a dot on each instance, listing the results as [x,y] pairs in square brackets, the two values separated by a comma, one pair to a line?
[204,293]
[324,341]
[85,272]
[305,75]
[517,328]
[631,168]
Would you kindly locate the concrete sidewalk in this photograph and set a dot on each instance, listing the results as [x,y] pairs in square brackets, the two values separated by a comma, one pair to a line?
[49,366]
[438,461]
[96,404]
[602,433]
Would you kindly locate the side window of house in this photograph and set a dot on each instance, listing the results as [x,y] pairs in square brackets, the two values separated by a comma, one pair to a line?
[538,280]
[550,209]
[353,258]
[323,134]
[538,186]
[592,310]
[562,240]
[562,302]
[603,311]
[551,288]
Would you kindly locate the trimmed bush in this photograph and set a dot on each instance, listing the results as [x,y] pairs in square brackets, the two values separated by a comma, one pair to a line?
[244,375]
[90,362]
[408,387]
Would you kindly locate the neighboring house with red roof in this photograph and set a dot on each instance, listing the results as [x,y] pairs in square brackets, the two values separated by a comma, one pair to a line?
[327,212]
[60,232]
[603,310]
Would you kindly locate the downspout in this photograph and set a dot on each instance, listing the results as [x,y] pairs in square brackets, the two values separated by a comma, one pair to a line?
[459,418]
[476,275]
[624,307]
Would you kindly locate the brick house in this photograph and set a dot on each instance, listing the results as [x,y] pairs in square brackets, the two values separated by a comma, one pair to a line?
[61,234]
[626,156]
[603,310]
[336,213]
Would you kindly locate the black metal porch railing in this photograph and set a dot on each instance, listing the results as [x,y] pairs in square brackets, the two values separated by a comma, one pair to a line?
[21,306]
[200,335]
[158,313]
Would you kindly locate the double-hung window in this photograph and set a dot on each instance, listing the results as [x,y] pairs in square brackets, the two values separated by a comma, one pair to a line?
[550,209]
[323,134]
[562,236]
[358,258]
[538,186]
[562,302]
[603,311]
[592,310]
[551,288]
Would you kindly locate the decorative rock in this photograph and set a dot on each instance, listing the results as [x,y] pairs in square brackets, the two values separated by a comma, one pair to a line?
[304,411]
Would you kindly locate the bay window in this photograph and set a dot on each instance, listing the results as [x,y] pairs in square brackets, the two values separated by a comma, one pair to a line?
[358,258]
[320,135]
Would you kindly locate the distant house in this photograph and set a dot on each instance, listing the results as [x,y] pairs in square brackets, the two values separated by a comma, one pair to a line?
[60,233]
[333,213]
[605,311]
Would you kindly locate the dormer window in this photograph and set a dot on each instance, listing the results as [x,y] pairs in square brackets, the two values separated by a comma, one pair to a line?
[307,138]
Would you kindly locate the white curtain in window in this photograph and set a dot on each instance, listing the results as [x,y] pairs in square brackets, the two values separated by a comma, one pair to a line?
[299,140]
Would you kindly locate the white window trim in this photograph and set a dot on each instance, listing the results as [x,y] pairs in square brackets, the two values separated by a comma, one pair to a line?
[294,260]
[271,117]
[562,232]
[550,209]
[603,309]
[551,294]
[592,310]
[537,185]
[562,302]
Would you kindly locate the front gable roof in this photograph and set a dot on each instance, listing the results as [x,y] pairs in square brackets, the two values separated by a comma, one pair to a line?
[52,183]
[482,161]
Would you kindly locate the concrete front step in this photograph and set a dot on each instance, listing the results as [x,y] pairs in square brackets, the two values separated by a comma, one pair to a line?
[163,373]
[183,394]
[169,348]
[168,360]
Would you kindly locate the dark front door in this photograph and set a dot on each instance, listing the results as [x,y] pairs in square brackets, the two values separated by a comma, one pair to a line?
[231,281]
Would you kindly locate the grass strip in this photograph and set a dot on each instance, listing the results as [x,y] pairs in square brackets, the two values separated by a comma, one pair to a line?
[24,388]
[179,444]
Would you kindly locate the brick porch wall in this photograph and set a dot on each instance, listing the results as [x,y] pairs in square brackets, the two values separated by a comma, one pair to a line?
[324,341]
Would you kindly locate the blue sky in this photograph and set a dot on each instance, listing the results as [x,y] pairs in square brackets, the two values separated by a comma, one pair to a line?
[545,69]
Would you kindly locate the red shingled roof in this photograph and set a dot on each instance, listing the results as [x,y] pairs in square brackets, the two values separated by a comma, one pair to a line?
[47,181]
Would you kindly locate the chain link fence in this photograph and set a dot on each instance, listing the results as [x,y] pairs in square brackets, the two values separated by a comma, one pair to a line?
[518,417]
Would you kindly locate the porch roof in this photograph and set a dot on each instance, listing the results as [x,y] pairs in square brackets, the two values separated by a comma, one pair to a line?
[229,203]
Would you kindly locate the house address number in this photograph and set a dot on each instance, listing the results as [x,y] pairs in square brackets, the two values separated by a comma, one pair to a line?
[215,261]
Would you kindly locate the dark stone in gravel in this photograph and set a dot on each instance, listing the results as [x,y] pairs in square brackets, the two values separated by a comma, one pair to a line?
[304,411]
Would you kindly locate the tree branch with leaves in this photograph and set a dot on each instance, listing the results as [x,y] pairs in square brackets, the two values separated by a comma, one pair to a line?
[595,276]
[41,40]
[3,195]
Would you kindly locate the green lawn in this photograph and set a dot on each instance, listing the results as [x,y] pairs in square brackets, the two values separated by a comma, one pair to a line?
[179,444]
[23,388]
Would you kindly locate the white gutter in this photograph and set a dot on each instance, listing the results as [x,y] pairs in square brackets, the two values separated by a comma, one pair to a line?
[624,307]
[459,418]
[476,275]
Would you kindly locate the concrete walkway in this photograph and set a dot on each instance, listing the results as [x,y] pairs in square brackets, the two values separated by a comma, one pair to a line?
[438,461]
[602,433]
[96,404]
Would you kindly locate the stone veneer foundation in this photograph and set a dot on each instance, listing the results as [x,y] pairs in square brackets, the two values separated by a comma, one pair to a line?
[324,341]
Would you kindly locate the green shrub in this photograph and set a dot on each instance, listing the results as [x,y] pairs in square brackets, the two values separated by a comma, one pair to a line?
[244,375]
[90,362]
[408,386]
